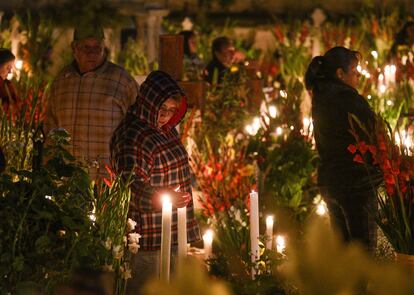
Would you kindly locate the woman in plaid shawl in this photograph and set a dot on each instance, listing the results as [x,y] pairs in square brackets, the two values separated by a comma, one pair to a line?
[147,144]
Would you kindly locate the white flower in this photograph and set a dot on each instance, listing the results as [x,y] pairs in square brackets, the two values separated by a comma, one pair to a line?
[125,272]
[108,244]
[133,248]
[118,251]
[131,224]
[134,238]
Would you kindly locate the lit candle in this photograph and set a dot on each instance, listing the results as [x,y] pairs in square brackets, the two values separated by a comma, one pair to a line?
[208,244]
[280,244]
[254,227]
[182,234]
[166,239]
[269,231]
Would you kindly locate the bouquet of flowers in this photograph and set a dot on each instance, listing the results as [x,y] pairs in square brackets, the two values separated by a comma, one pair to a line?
[395,197]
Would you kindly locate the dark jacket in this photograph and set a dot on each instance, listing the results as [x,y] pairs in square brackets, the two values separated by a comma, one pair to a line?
[215,67]
[332,101]
[156,156]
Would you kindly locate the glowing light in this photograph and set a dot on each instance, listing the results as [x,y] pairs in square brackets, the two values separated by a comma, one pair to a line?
[272,111]
[306,122]
[269,221]
[256,123]
[359,68]
[249,129]
[369,96]
[19,64]
[48,197]
[279,130]
[374,54]
[382,88]
[389,102]
[280,243]
[165,198]
[208,236]
[283,93]
[292,127]
[321,208]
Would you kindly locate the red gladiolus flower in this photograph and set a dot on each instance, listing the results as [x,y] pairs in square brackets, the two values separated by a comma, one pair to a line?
[362,146]
[358,159]
[389,179]
[352,148]
[279,34]
[108,182]
[372,149]
[390,190]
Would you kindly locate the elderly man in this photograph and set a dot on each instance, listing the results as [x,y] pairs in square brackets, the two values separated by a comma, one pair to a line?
[89,98]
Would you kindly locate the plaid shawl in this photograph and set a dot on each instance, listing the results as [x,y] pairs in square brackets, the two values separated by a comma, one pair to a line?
[156,156]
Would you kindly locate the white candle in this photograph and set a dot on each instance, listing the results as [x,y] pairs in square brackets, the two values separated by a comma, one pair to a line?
[166,239]
[269,232]
[182,234]
[254,227]
[208,244]
[280,244]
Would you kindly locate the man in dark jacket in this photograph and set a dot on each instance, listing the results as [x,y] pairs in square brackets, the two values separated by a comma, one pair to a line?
[223,52]
[147,144]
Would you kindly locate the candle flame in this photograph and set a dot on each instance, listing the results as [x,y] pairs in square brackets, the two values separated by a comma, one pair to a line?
[166,198]
[269,220]
[208,236]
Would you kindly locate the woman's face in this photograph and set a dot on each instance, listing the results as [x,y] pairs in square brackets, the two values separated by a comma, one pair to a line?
[167,110]
[6,69]
[351,76]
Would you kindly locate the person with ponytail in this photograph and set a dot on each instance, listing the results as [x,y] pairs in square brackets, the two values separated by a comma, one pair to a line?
[348,187]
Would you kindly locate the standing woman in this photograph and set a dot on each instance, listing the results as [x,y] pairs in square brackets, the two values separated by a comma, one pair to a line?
[345,185]
[147,145]
[7,92]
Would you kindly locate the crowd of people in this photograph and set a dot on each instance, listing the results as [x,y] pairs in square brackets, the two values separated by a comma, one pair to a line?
[112,119]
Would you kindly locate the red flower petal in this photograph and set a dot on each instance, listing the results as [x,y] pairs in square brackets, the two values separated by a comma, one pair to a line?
[358,159]
[352,148]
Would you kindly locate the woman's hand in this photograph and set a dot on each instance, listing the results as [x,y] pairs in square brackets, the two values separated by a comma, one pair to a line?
[178,199]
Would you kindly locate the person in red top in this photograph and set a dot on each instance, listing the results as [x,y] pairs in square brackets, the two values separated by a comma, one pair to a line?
[147,145]
[7,92]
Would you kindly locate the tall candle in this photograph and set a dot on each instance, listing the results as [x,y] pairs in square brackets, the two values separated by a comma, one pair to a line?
[165,239]
[254,227]
[269,232]
[182,234]
[208,244]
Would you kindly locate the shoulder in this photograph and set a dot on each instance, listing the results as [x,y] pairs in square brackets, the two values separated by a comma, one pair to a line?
[118,73]
[66,72]
[133,132]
